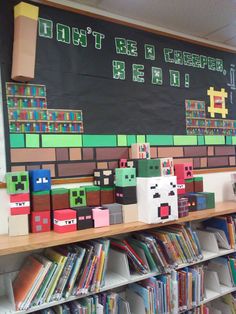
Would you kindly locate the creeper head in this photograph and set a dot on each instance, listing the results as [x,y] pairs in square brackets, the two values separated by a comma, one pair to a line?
[184,171]
[77,197]
[40,180]
[17,182]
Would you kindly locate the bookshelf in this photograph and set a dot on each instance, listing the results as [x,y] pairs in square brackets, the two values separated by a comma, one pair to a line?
[114,279]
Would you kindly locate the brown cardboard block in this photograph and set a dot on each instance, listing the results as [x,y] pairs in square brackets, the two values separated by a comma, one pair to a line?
[76,169]
[60,198]
[192,151]
[107,195]
[112,153]
[170,152]
[18,225]
[218,162]
[130,213]
[32,154]
[40,201]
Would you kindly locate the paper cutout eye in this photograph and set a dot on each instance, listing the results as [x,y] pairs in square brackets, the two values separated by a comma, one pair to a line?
[190,168]
[186,168]
[74,193]
[171,193]
[23,178]
[81,193]
[156,195]
[153,187]
[151,167]
[193,203]
[45,180]
[14,178]
[132,176]
[126,176]
[39,180]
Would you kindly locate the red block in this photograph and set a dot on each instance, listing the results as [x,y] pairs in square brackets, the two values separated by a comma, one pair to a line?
[64,220]
[20,204]
[184,171]
[40,221]
[180,186]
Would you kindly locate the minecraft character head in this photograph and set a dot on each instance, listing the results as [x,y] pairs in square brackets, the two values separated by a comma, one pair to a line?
[149,168]
[77,197]
[184,171]
[40,221]
[125,195]
[84,217]
[103,177]
[40,180]
[125,177]
[20,204]
[101,217]
[64,220]
[167,166]
[17,182]
[60,198]
[157,199]
[140,151]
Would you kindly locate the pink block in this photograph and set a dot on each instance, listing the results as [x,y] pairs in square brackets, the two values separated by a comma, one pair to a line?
[64,220]
[101,217]
[184,171]
[123,163]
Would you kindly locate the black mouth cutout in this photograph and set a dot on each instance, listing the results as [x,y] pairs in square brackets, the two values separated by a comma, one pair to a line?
[79,200]
[20,186]
[189,174]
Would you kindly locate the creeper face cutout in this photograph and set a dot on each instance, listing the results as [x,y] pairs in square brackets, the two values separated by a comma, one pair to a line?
[184,171]
[17,182]
[77,197]
[125,177]
[40,180]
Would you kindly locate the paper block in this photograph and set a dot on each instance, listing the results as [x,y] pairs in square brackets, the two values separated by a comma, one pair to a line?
[130,213]
[198,184]
[32,140]
[40,180]
[148,168]
[115,212]
[77,197]
[26,9]
[214,140]
[181,186]
[181,140]
[131,139]
[101,217]
[99,141]
[40,201]
[141,138]
[184,171]
[196,201]
[18,225]
[64,220]
[210,199]
[40,221]
[17,140]
[183,207]
[60,198]
[125,177]
[167,166]
[93,195]
[157,199]
[107,195]
[84,217]
[200,140]
[189,186]
[103,177]
[126,195]
[17,182]
[160,140]
[140,151]
[121,140]
[61,140]
[20,204]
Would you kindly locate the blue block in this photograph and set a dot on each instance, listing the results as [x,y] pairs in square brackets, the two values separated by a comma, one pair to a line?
[40,180]
[200,201]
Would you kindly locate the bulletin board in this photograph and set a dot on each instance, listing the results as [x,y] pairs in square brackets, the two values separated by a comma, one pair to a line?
[120,80]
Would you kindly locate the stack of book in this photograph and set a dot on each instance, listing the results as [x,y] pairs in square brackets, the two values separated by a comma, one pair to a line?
[61,272]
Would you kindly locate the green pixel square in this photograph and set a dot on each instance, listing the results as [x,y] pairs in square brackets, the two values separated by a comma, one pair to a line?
[17,141]
[77,197]
[183,140]
[214,140]
[141,139]
[228,140]
[125,177]
[99,140]
[200,140]
[121,140]
[32,140]
[160,140]
[131,139]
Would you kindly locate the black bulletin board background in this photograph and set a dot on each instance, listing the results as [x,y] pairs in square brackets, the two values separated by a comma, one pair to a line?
[81,78]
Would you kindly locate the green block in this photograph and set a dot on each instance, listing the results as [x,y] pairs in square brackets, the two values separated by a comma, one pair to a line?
[92,188]
[149,168]
[17,140]
[214,140]
[32,140]
[200,140]
[107,188]
[61,140]
[17,182]
[131,139]
[121,140]
[77,197]
[189,180]
[125,177]
[233,140]
[141,139]
[160,140]
[197,179]
[228,140]
[99,141]
[210,199]
[59,191]
[182,140]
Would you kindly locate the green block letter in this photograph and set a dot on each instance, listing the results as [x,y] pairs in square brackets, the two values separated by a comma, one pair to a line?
[118,70]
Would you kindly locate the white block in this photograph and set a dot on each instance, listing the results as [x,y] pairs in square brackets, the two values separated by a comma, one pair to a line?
[157,199]
[18,225]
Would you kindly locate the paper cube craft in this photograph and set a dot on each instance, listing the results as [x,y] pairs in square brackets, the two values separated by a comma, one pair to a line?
[60,198]
[167,166]
[210,199]
[183,206]
[148,168]
[115,212]
[84,217]
[40,180]
[64,220]
[125,177]
[103,177]
[107,195]
[93,197]
[20,204]
[40,201]
[157,199]
[18,225]
[125,195]
[17,182]
[130,213]
[198,184]
[140,151]
[101,217]
[40,221]
[189,186]
[77,197]
[184,171]
[196,201]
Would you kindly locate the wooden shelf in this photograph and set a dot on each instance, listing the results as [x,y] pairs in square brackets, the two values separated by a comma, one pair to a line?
[33,241]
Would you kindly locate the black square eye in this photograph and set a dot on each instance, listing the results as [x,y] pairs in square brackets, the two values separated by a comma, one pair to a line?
[23,178]
[190,168]
[171,193]
[74,193]
[126,176]
[132,176]
[151,167]
[14,178]
[186,168]
[81,193]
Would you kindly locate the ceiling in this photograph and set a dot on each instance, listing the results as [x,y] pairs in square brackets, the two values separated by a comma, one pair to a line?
[213,20]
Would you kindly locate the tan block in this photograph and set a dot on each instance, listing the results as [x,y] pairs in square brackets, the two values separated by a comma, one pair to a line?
[182,160]
[210,151]
[232,161]
[170,152]
[32,154]
[203,162]
[18,225]
[51,167]
[130,213]
[17,168]
[153,152]
[102,165]
[75,153]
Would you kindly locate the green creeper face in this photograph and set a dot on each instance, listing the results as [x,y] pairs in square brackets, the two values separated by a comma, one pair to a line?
[149,168]
[125,177]
[77,197]
[17,182]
